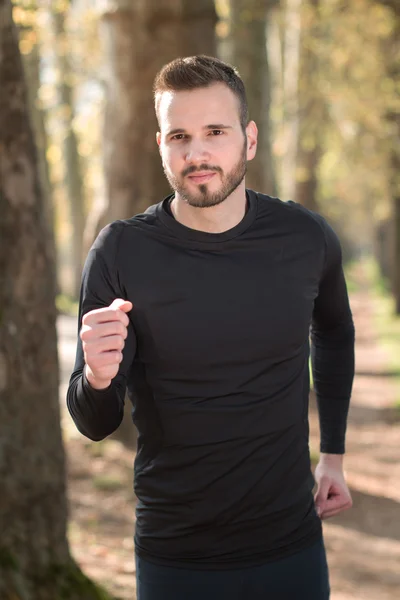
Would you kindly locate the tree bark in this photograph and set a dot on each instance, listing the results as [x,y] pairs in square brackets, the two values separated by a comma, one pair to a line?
[383,247]
[248,49]
[291,62]
[35,563]
[396,269]
[31,63]
[72,163]
[311,110]
[140,37]
[391,52]
[395,160]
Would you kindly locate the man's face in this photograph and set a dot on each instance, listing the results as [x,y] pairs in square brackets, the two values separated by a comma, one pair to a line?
[203,148]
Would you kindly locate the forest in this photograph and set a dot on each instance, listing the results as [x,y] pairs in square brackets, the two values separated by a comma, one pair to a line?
[78,151]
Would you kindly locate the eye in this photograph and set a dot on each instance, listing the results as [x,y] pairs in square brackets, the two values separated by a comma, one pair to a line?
[215,132]
[178,136]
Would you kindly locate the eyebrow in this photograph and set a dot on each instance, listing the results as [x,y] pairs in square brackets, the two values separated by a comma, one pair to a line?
[218,126]
[207,127]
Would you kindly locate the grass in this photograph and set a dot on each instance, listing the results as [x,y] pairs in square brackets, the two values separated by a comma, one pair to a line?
[108,483]
[66,305]
[314,456]
[97,449]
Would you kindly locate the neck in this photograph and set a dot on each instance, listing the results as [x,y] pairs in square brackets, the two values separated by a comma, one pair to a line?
[212,219]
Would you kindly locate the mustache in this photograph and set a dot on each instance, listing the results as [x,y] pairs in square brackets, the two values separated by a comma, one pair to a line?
[193,169]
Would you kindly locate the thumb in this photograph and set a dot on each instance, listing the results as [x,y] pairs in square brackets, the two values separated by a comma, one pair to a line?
[321,495]
[121,304]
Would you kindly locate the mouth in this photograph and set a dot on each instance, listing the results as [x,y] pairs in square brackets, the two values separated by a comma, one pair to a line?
[202,177]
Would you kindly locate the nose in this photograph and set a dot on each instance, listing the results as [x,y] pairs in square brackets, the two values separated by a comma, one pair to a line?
[196,152]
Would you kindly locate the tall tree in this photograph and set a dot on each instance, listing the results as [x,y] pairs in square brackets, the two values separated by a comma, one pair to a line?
[35,562]
[392,47]
[72,163]
[248,52]
[311,108]
[387,232]
[291,65]
[137,44]
[26,21]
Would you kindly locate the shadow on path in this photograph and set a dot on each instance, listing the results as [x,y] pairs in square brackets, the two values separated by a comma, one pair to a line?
[377,373]
[373,515]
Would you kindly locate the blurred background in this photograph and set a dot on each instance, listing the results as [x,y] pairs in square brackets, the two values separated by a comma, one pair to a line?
[323,85]
[320,77]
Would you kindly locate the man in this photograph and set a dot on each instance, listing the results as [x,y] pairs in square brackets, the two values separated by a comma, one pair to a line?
[202,309]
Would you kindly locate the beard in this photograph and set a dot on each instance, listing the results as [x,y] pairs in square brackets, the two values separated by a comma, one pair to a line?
[204,198]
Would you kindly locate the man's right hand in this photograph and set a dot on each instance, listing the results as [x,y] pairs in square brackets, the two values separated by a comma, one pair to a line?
[103,335]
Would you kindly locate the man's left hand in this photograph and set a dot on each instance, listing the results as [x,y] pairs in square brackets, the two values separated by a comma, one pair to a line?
[333,495]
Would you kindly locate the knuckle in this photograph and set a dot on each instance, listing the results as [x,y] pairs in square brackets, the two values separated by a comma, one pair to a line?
[87,353]
[88,317]
[114,328]
[83,334]
[94,362]
[124,319]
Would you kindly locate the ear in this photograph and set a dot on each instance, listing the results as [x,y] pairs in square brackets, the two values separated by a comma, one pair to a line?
[252,135]
[158,139]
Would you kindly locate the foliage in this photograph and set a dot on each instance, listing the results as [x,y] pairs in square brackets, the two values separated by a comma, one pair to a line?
[67,581]
[355,168]
[8,560]
[350,40]
[357,90]
[71,583]
[67,305]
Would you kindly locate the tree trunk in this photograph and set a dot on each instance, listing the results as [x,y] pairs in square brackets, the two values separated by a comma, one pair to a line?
[396,270]
[392,55]
[291,61]
[31,63]
[311,110]
[248,52]
[72,163]
[140,37]
[395,161]
[384,247]
[35,563]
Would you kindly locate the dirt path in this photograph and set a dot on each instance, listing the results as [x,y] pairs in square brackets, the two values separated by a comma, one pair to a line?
[363,545]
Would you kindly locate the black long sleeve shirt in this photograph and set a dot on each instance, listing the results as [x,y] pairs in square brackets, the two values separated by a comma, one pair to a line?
[216,367]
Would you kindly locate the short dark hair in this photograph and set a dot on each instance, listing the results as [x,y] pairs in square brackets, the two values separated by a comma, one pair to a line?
[200,71]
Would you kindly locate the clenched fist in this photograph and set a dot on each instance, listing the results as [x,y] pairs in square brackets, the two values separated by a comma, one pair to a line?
[103,335]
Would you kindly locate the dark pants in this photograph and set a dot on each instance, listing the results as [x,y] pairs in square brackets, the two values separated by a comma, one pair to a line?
[302,576]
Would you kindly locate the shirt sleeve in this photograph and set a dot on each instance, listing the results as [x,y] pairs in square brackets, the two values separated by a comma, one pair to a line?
[332,348]
[97,413]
